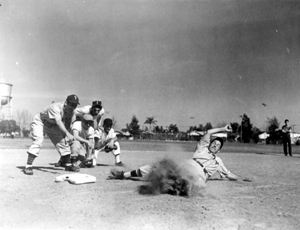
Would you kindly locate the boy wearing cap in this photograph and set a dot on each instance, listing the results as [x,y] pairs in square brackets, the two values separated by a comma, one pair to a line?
[82,146]
[55,121]
[106,139]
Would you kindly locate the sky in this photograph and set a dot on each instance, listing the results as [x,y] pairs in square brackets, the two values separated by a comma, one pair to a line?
[182,62]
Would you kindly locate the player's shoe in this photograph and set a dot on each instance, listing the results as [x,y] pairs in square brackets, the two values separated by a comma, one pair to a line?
[61,163]
[72,168]
[119,164]
[28,171]
[115,174]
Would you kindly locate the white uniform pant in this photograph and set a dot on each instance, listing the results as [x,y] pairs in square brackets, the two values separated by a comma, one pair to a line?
[78,149]
[57,137]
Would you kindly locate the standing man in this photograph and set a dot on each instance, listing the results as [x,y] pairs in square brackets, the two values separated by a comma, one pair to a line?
[55,121]
[286,138]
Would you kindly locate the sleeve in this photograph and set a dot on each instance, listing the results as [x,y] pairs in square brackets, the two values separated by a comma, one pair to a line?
[112,133]
[81,111]
[100,117]
[203,143]
[90,133]
[76,126]
[54,112]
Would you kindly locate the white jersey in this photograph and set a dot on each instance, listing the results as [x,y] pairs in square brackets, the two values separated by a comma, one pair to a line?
[208,160]
[56,111]
[103,136]
[80,112]
[84,133]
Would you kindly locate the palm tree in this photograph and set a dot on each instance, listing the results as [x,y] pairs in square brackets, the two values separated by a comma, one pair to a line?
[150,121]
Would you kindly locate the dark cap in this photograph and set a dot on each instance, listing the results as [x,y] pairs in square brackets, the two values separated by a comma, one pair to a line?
[218,139]
[97,104]
[73,99]
[107,122]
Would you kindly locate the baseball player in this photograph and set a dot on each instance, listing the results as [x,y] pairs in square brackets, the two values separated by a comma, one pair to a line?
[55,121]
[204,162]
[83,144]
[106,139]
[95,110]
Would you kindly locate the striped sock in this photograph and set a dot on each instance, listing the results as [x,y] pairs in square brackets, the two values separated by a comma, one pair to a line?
[30,160]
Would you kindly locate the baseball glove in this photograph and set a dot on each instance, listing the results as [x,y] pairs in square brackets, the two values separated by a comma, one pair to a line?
[107,149]
[89,163]
[116,174]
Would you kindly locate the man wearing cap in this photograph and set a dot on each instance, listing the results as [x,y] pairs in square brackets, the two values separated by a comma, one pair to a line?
[55,121]
[83,144]
[106,139]
[96,110]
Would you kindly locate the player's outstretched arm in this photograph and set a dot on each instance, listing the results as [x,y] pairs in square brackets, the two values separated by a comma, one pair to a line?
[226,128]
[232,176]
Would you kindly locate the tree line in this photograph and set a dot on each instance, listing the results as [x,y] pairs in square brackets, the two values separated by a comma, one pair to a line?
[243,131]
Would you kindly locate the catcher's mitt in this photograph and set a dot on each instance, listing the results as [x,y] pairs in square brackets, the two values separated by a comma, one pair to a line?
[107,149]
[89,163]
[116,174]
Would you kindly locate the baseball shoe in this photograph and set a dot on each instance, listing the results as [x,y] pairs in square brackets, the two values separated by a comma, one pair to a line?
[28,171]
[119,164]
[72,168]
[115,174]
[60,163]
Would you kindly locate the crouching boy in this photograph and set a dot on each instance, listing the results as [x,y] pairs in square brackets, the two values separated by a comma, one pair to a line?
[106,140]
[83,144]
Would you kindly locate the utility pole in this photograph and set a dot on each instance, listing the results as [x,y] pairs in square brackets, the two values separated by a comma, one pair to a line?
[265,105]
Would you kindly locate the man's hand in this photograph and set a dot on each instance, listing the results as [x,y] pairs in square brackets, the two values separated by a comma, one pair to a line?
[70,137]
[89,144]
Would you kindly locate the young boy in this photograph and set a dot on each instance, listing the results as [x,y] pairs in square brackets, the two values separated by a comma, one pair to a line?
[202,165]
[106,139]
[83,144]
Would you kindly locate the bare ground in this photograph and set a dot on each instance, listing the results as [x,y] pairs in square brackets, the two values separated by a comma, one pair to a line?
[271,201]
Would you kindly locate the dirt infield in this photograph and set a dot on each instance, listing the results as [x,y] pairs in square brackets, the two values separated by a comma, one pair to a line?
[37,202]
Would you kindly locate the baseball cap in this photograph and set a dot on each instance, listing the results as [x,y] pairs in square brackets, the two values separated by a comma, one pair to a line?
[107,122]
[73,99]
[87,117]
[97,104]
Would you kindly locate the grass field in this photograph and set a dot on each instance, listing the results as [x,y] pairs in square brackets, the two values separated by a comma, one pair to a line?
[185,146]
